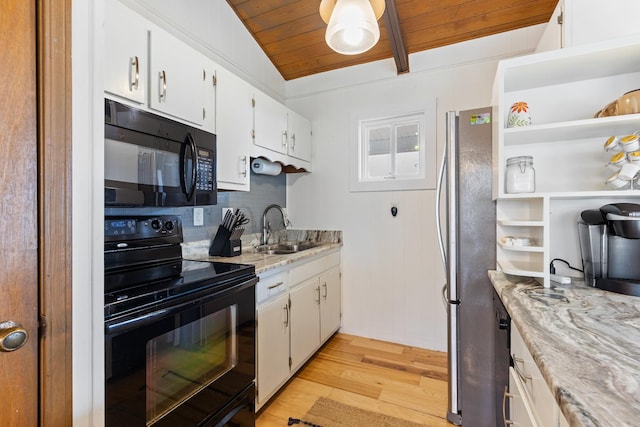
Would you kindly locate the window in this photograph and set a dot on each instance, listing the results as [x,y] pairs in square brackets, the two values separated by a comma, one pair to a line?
[396,152]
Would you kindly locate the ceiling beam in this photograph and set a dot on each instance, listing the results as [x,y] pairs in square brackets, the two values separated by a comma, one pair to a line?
[392,24]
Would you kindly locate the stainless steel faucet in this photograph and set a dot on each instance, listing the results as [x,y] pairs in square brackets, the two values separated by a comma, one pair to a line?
[266,226]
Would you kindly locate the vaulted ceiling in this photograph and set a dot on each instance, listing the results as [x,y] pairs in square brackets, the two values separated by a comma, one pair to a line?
[291,32]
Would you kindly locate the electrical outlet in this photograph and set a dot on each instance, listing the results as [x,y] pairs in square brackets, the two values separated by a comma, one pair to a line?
[198,217]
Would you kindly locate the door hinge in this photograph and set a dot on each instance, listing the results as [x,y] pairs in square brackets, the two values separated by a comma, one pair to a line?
[42,325]
[290,362]
[214,80]
[561,18]
[289,303]
[253,133]
[253,102]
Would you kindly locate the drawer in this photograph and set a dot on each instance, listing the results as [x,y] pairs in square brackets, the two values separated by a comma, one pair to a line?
[544,404]
[314,268]
[521,412]
[271,285]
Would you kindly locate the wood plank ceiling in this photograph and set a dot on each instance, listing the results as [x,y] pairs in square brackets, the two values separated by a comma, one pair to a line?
[291,32]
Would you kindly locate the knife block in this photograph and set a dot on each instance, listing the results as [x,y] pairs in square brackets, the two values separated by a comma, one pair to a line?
[226,243]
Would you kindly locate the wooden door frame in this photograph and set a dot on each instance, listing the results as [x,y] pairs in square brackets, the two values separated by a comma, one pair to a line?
[54,211]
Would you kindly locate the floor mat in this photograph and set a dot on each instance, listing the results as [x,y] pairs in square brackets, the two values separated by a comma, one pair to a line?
[329,413]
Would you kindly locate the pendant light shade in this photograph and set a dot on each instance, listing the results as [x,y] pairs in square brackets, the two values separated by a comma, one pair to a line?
[352,28]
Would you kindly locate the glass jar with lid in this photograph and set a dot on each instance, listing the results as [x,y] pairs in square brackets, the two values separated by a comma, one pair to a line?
[520,175]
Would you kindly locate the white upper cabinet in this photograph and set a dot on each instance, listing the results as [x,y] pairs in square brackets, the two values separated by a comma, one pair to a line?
[299,133]
[270,123]
[125,71]
[577,22]
[280,134]
[234,125]
[150,67]
[178,77]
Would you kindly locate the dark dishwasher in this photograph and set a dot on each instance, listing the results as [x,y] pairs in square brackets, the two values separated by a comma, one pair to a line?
[503,357]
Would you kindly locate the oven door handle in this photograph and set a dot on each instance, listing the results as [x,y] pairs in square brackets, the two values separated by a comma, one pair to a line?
[136,322]
[145,319]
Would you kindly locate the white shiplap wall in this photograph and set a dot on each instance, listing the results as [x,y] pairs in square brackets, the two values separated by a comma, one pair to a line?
[392,273]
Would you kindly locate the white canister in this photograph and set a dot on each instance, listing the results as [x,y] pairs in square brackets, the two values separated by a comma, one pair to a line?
[520,176]
[519,115]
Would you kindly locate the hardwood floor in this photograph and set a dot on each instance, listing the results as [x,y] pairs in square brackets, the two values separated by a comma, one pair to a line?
[400,381]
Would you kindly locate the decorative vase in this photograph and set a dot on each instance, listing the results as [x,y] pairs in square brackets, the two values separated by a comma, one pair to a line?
[519,115]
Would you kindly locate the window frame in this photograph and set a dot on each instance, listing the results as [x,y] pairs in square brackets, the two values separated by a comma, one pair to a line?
[360,126]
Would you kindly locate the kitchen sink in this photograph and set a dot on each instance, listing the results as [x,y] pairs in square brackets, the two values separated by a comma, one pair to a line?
[286,247]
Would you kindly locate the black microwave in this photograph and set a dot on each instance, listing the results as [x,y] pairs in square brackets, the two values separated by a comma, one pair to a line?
[151,160]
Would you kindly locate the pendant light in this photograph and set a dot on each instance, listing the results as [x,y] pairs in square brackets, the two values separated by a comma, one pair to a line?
[352,24]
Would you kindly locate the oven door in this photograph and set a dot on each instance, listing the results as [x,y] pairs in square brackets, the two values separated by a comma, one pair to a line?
[182,362]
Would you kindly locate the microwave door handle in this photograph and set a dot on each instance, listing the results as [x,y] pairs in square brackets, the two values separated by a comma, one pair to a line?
[194,170]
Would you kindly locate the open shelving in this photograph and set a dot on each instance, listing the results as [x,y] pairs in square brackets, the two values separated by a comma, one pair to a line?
[564,89]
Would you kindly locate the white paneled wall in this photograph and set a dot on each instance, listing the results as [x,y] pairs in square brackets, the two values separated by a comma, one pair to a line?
[392,273]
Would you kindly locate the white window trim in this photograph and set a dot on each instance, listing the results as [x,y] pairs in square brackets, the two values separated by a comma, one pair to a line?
[426,180]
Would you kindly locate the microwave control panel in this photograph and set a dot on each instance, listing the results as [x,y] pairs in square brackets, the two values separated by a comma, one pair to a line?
[205,172]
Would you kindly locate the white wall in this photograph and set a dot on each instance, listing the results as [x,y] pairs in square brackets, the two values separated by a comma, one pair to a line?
[392,273]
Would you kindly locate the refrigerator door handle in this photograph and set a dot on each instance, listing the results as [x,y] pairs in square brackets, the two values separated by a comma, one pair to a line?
[439,185]
[452,206]
[453,345]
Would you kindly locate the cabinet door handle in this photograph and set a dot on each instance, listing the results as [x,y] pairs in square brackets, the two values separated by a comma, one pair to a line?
[519,370]
[286,315]
[326,290]
[163,86]
[134,74]
[284,139]
[276,285]
[505,395]
[293,142]
[318,290]
[243,159]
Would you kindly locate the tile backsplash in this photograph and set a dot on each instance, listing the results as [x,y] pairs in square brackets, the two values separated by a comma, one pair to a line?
[265,190]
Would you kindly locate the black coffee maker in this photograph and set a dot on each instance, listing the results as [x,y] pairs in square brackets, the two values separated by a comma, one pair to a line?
[610,247]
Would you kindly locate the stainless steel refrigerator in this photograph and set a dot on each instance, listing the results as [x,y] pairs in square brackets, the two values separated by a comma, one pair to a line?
[477,343]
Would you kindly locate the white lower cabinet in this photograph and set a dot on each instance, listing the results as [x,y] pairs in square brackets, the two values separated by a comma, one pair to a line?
[330,303]
[305,320]
[298,309]
[273,346]
[531,400]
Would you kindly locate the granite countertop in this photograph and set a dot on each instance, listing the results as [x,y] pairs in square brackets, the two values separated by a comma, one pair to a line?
[325,240]
[586,343]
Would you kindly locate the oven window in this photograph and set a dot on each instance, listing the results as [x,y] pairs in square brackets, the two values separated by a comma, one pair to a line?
[183,361]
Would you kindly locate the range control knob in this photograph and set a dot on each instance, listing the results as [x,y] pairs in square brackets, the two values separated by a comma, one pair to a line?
[168,225]
[156,224]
